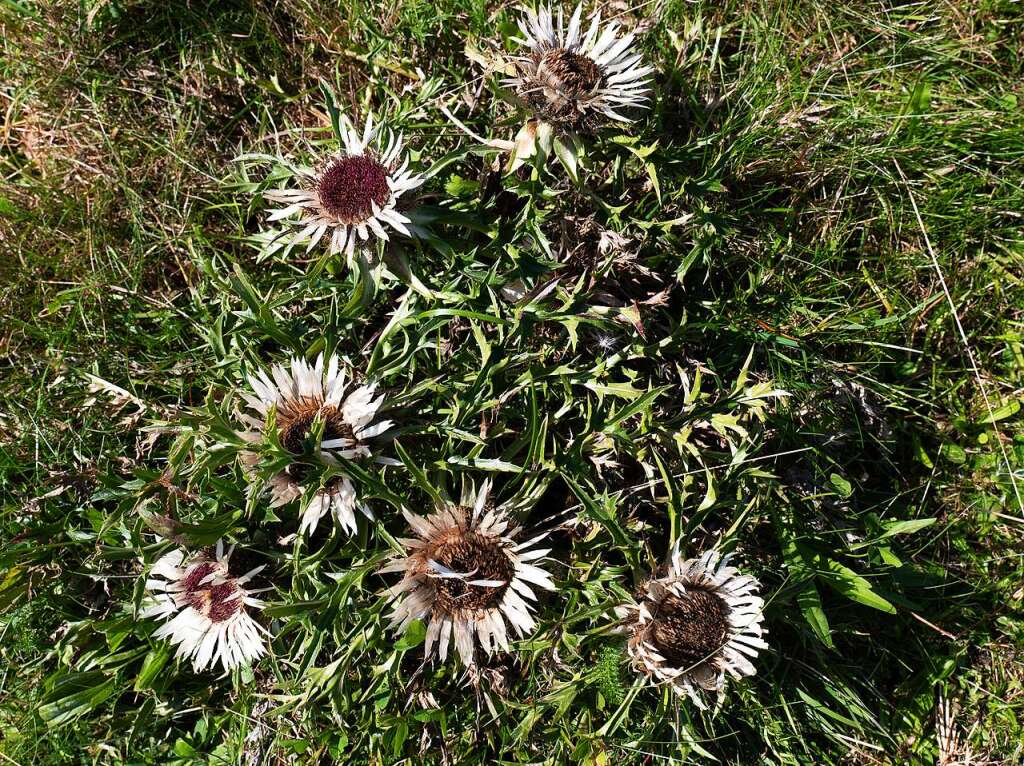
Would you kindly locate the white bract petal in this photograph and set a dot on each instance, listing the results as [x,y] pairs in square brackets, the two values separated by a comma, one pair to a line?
[209,617]
[570,79]
[304,394]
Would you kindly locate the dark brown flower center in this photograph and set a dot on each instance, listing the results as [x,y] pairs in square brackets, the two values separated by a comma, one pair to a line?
[349,187]
[477,558]
[294,427]
[556,84]
[688,630]
[569,74]
[215,600]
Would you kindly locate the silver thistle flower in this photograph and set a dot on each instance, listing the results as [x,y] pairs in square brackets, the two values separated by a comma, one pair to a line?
[206,608]
[575,79]
[467,575]
[352,197]
[699,623]
[300,394]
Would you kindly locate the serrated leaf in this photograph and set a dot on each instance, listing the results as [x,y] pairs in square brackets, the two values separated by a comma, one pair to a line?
[414,635]
[635,407]
[418,475]
[622,390]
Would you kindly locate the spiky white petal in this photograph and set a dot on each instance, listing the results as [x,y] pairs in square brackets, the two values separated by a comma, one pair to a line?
[226,634]
[299,393]
[623,81]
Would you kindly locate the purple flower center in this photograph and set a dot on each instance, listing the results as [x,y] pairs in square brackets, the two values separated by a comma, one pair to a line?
[350,186]
[216,601]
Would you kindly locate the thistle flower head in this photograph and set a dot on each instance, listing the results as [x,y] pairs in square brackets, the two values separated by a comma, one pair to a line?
[207,608]
[301,395]
[575,79]
[468,576]
[352,198]
[697,624]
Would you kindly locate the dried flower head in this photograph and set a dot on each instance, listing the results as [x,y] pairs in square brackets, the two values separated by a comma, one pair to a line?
[467,575]
[576,80]
[697,624]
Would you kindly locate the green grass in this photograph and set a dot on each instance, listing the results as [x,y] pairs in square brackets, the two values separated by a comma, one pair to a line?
[809,178]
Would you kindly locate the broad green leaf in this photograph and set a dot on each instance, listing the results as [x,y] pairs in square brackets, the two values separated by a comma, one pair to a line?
[1007,410]
[954,453]
[802,570]
[841,485]
[893,528]
[622,390]
[809,601]
[152,665]
[566,154]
